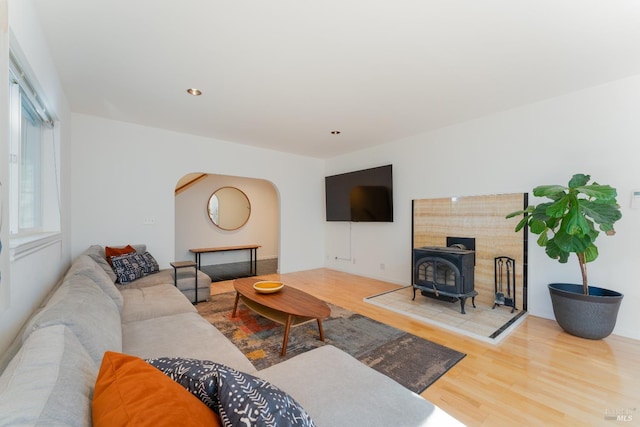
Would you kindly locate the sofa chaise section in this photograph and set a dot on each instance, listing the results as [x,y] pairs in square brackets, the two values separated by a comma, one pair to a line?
[338,390]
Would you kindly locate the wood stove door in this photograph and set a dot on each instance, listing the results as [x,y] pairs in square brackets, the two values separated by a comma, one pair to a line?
[435,272]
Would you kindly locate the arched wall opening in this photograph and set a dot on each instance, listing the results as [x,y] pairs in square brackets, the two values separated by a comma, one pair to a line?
[195,229]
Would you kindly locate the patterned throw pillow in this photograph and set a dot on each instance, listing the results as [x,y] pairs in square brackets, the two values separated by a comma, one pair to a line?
[127,267]
[149,263]
[132,266]
[239,399]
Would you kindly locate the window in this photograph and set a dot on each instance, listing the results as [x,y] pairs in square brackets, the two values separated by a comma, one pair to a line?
[26,159]
[33,178]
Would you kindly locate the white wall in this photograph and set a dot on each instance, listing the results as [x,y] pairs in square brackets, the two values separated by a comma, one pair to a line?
[194,229]
[594,131]
[32,276]
[124,173]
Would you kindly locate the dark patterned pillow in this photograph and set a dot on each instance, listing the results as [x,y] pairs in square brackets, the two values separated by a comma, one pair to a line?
[200,377]
[239,399]
[149,263]
[127,267]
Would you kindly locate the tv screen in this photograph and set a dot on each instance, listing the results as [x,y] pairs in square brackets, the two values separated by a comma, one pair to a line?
[360,196]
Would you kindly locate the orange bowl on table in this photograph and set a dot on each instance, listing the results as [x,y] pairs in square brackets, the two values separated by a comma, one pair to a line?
[268,286]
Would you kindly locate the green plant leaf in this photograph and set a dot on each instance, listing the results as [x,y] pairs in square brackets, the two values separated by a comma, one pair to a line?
[543,239]
[571,243]
[575,223]
[554,251]
[591,253]
[553,223]
[558,208]
[604,214]
[540,212]
[578,180]
[522,223]
[549,190]
[597,191]
[528,210]
[536,226]
[608,228]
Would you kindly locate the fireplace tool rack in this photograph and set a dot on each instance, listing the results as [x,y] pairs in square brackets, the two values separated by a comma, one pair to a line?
[505,282]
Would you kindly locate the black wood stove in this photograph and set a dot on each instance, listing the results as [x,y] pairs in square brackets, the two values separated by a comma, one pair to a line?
[445,273]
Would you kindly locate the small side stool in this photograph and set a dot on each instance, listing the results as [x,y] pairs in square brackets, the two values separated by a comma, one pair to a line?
[185,264]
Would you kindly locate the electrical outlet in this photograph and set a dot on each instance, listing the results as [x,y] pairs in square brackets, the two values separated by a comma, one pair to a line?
[149,220]
[382,266]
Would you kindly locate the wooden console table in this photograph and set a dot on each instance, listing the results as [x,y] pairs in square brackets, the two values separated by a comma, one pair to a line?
[253,250]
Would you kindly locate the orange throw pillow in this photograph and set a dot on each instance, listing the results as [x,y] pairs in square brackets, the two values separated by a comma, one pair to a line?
[111,251]
[130,392]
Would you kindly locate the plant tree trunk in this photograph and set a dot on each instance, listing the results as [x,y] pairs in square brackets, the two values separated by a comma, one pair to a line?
[583,270]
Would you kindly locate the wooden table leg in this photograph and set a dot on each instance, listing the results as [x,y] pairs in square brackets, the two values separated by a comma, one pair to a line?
[321,330]
[287,328]
[235,305]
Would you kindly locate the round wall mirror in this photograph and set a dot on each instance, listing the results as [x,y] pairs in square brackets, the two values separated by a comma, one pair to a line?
[229,208]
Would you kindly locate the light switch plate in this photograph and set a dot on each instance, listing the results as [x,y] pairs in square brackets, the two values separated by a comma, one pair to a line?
[635,199]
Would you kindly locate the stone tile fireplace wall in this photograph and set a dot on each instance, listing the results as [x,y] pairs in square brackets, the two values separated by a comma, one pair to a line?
[481,218]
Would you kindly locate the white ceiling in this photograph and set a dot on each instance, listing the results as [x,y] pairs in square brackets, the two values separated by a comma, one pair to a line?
[282,74]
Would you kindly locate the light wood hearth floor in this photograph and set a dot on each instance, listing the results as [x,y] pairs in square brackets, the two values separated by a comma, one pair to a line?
[537,376]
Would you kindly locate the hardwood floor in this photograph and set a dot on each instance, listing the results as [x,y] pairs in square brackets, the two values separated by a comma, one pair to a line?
[537,376]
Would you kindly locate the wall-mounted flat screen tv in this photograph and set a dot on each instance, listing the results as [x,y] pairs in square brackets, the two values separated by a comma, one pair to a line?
[360,196]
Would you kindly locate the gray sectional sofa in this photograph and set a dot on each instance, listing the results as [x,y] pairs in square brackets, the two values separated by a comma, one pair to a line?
[48,375]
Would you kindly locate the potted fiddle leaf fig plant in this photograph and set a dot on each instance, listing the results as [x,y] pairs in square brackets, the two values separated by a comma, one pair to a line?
[570,223]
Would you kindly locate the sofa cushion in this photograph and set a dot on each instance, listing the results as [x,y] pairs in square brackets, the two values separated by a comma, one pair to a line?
[49,381]
[162,277]
[130,392]
[83,307]
[86,266]
[204,292]
[96,253]
[185,278]
[239,398]
[166,275]
[343,392]
[153,301]
[182,335]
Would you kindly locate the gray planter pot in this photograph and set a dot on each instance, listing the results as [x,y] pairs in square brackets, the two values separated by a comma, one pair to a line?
[590,316]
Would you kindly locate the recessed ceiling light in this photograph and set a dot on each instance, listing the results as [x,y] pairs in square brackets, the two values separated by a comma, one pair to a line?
[194,92]
[335,132]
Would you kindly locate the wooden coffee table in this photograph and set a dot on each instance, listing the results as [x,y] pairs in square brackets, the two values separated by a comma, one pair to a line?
[288,307]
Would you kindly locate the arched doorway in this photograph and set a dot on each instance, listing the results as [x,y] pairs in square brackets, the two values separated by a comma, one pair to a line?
[194,227]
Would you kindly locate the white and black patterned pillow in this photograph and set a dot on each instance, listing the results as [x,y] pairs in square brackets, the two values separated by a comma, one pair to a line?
[127,267]
[149,263]
[200,377]
[239,399]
